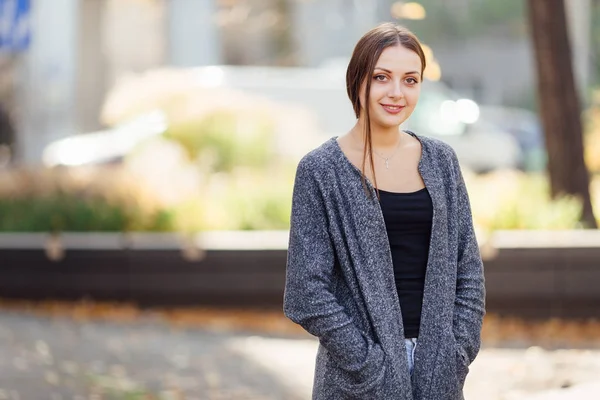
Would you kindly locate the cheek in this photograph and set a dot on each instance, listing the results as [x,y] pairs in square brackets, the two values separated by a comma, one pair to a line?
[413,96]
[377,92]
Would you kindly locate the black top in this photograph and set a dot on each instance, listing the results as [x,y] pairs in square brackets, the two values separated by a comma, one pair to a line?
[408,218]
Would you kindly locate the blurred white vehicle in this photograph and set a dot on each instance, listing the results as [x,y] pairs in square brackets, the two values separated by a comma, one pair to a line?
[104,146]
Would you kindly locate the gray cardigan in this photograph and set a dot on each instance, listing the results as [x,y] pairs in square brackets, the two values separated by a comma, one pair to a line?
[340,282]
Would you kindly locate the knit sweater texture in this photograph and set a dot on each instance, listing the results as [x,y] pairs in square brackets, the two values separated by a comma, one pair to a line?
[340,281]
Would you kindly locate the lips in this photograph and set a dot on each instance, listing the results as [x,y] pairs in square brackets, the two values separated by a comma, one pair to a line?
[392,109]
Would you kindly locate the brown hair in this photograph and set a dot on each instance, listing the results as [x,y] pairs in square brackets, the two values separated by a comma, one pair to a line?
[364,57]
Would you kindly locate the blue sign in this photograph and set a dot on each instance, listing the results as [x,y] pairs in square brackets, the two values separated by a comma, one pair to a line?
[15,34]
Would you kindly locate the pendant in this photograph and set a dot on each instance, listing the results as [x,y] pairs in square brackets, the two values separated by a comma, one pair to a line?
[387,166]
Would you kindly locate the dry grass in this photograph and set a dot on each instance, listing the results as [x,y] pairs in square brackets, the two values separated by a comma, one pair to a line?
[554,332]
[497,331]
[260,321]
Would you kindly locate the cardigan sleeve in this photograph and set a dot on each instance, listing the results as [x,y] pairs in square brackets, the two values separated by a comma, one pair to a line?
[308,298]
[469,305]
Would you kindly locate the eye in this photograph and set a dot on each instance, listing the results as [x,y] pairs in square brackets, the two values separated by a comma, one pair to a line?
[412,81]
[380,78]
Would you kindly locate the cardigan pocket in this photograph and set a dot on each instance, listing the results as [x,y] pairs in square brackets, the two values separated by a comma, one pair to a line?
[462,365]
[363,383]
[450,370]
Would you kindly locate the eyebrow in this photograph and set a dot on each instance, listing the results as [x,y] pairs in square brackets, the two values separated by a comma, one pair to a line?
[407,73]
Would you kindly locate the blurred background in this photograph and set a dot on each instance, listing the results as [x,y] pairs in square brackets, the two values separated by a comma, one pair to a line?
[147,158]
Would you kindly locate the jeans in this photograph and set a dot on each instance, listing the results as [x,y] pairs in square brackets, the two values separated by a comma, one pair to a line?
[411,345]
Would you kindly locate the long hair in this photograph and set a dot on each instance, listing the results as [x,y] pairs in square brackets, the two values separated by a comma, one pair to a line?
[361,66]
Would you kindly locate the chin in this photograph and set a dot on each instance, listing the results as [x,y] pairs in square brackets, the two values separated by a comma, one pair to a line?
[392,122]
[385,120]
[387,125]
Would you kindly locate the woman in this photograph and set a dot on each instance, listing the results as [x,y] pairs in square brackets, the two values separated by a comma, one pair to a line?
[382,246]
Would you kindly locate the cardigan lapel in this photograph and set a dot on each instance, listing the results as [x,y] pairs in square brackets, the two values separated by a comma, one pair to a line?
[371,256]
[430,329]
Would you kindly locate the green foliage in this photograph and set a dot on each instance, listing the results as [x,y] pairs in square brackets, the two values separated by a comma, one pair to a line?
[59,213]
[263,208]
[245,188]
[533,211]
[64,212]
[250,200]
[229,138]
[591,123]
[509,200]
[65,200]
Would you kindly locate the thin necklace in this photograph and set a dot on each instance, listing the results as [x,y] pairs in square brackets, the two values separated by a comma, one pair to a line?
[387,159]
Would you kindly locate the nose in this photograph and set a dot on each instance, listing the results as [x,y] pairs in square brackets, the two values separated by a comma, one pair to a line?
[395,90]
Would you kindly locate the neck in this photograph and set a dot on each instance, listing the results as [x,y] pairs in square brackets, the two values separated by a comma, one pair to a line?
[381,138]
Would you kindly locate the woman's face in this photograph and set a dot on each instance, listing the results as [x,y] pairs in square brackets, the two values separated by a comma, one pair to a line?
[395,87]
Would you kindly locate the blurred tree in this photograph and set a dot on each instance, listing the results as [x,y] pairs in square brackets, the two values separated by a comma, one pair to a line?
[559,104]
[595,42]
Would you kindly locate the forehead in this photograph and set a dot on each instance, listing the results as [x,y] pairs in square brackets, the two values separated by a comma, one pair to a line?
[399,59]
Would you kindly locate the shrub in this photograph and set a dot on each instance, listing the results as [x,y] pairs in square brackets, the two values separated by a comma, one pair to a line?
[592,135]
[229,138]
[55,201]
[515,200]
[249,200]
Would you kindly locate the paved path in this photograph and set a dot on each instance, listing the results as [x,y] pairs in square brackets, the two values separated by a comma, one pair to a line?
[43,358]
[60,358]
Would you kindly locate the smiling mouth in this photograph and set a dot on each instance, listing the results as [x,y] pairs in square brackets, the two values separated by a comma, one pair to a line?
[392,108]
